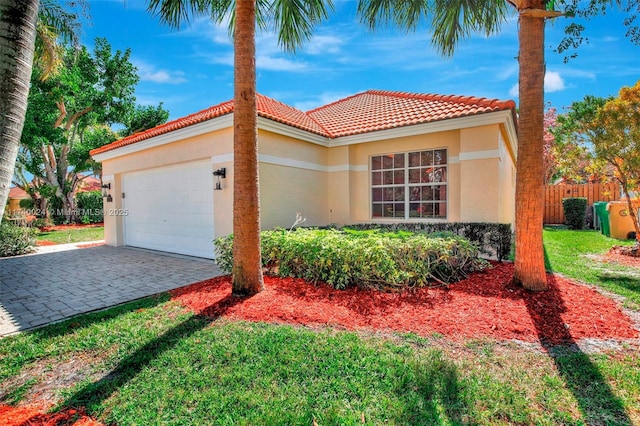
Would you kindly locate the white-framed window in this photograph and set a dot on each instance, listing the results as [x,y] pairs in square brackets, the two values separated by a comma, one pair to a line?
[409,185]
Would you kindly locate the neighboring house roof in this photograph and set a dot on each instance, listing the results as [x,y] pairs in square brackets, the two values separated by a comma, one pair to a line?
[369,111]
[18,193]
[88,184]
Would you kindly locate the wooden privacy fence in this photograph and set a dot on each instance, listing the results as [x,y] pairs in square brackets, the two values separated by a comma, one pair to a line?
[553,195]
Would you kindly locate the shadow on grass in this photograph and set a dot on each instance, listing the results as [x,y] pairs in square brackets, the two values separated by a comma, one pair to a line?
[596,400]
[627,282]
[93,394]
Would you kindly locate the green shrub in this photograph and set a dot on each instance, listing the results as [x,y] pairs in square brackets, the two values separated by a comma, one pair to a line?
[90,207]
[16,240]
[574,209]
[383,260]
[492,239]
[26,203]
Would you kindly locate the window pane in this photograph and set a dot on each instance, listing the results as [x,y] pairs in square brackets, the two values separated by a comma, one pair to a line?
[376,194]
[440,210]
[414,193]
[399,194]
[399,210]
[440,174]
[414,159]
[376,210]
[427,193]
[414,176]
[427,158]
[398,177]
[376,163]
[387,162]
[426,175]
[414,210]
[388,177]
[443,192]
[387,194]
[387,210]
[427,210]
[398,161]
[376,178]
[440,156]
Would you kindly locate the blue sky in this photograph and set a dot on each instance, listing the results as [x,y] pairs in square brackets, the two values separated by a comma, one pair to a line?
[192,68]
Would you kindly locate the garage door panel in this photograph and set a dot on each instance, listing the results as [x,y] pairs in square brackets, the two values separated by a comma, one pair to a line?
[171,209]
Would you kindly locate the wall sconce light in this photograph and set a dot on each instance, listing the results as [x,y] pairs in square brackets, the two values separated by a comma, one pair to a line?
[221,174]
[105,187]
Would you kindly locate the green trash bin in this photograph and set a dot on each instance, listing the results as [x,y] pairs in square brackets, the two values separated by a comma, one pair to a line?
[603,217]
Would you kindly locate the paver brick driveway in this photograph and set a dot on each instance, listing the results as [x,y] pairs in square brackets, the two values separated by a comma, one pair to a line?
[39,289]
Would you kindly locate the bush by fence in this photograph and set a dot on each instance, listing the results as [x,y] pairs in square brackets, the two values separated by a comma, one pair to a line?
[575,209]
[376,259]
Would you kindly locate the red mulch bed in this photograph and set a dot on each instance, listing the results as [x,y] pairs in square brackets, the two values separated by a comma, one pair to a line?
[484,305]
[41,243]
[70,226]
[34,416]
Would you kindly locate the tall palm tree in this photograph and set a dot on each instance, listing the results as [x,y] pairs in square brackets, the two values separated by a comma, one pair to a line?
[293,20]
[456,19]
[18,20]
[26,26]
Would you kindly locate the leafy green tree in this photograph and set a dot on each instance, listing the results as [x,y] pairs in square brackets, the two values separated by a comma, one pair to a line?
[71,113]
[615,135]
[142,118]
[451,21]
[293,21]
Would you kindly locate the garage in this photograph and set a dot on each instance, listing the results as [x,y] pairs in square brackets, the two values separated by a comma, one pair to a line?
[170,209]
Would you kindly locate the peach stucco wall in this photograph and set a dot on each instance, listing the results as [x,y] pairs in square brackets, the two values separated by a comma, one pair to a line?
[331,184]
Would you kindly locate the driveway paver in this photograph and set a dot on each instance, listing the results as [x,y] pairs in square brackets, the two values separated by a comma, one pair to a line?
[47,287]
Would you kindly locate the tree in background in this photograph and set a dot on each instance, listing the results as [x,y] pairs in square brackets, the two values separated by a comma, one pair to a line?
[25,26]
[71,113]
[550,159]
[293,21]
[615,135]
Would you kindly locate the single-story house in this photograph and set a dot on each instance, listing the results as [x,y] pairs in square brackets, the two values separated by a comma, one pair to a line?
[377,156]
[16,194]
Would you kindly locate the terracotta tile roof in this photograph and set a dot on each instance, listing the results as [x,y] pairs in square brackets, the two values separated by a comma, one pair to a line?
[361,113]
[88,184]
[378,110]
[18,193]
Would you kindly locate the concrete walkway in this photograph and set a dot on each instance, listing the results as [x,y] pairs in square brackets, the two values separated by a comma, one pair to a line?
[59,282]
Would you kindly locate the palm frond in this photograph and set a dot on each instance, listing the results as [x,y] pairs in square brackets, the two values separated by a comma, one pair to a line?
[294,20]
[406,15]
[454,20]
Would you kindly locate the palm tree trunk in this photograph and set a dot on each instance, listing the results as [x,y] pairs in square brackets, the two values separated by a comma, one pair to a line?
[247,265]
[18,20]
[529,260]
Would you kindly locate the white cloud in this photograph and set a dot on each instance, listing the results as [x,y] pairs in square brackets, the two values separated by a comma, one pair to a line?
[553,82]
[513,92]
[325,44]
[148,72]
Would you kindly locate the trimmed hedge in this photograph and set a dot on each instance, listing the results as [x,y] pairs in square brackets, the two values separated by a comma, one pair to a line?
[16,240]
[90,207]
[574,209]
[493,239]
[374,259]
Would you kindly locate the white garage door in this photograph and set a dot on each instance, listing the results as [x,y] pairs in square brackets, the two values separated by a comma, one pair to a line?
[170,209]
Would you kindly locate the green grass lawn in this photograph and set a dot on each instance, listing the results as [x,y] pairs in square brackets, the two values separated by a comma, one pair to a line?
[72,235]
[572,253]
[153,362]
